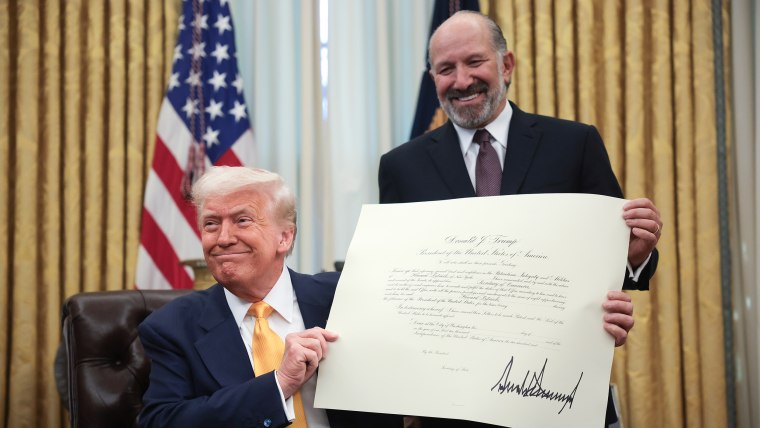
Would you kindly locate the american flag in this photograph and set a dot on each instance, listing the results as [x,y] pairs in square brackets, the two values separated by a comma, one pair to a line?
[203,121]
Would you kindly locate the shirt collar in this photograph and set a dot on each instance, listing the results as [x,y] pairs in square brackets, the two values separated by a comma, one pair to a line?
[280,298]
[498,129]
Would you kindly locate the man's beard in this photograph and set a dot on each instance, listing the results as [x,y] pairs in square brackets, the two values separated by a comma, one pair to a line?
[474,116]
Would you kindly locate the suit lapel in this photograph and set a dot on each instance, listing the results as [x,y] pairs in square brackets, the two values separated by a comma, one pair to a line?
[521,146]
[313,312]
[221,348]
[447,157]
[315,309]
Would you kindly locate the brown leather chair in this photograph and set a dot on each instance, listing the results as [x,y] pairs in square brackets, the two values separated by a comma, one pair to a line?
[107,370]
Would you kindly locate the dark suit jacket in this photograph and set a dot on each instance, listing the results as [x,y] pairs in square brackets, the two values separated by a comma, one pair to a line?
[544,155]
[201,375]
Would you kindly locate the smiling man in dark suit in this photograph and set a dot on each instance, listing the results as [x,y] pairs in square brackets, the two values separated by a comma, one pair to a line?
[203,347]
[472,70]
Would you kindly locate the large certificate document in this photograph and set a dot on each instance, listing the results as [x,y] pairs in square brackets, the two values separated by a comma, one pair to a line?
[486,309]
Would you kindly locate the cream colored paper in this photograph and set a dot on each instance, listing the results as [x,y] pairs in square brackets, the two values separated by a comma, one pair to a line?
[485,309]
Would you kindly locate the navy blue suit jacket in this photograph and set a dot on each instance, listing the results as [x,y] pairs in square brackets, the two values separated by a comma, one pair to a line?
[201,375]
[544,155]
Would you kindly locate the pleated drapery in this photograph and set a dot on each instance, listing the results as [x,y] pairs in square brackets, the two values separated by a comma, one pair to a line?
[643,72]
[81,83]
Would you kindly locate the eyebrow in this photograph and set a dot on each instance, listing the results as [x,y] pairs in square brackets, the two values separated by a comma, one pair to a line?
[233,212]
[473,56]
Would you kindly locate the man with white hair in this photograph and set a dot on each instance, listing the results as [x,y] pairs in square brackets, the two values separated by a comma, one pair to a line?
[217,356]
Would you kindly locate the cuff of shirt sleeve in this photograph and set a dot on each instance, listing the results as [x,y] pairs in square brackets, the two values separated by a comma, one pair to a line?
[287,405]
[634,274]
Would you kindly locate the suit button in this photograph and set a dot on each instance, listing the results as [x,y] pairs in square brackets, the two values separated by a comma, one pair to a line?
[267,422]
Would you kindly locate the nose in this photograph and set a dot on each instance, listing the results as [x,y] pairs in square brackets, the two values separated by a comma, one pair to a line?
[462,79]
[227,235]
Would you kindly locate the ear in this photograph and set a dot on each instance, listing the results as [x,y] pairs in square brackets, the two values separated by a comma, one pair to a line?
[286,240]
[508,61]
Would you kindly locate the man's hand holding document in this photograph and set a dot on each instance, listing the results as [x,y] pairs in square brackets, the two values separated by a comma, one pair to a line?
[486,309]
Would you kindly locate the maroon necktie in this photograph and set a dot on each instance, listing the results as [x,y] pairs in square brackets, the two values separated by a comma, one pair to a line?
[487,167]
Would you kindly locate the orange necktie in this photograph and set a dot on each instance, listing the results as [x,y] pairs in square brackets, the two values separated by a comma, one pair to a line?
[268,349]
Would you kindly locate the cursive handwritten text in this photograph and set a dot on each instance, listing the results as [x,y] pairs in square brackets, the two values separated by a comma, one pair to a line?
[532,386]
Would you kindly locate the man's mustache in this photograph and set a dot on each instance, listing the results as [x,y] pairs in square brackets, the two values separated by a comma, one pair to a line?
[479,86]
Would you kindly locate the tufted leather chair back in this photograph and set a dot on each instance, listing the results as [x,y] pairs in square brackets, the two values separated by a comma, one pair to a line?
[107,367]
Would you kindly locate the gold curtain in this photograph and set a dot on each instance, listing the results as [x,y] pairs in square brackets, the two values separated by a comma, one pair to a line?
[643,72]
[81,83]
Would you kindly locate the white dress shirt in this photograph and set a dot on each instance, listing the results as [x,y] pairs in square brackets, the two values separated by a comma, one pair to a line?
[286,318]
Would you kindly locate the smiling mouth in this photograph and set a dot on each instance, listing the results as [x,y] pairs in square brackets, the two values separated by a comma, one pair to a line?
[468,94]
[468,97]
[227,254]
